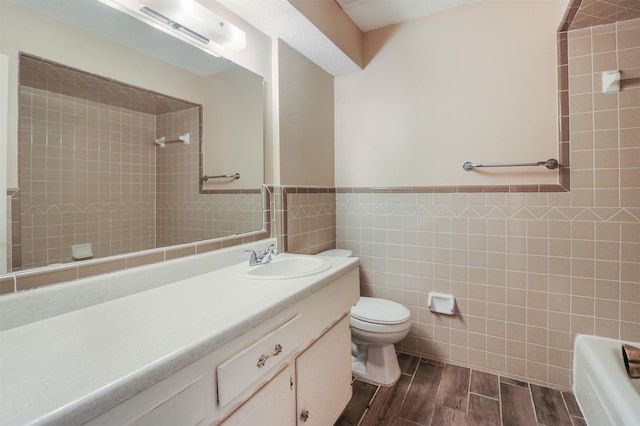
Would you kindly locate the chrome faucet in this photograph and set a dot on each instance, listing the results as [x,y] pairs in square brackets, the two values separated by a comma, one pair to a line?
[262,258]
[271,250]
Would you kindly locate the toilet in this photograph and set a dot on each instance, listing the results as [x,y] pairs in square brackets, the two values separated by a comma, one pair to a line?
[376,325]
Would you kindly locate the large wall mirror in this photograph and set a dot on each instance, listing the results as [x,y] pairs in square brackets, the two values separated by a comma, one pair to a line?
[118,122]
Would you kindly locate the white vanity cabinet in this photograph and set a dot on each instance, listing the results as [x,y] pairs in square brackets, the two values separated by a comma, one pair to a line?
[323,377]
[314,393]
[274,404]
[298,361]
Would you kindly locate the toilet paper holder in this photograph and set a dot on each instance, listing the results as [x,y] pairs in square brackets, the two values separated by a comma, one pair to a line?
[441,303]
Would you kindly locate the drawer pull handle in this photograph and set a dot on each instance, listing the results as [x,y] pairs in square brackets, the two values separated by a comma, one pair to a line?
[304,416]
[264,357]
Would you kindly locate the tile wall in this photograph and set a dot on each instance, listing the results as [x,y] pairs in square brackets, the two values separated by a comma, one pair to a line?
[310,219]
[528,270]
[87,174]
[89,170]
[601,12]
[72,150]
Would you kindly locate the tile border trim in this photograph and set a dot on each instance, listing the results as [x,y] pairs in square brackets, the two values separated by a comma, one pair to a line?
[451,189]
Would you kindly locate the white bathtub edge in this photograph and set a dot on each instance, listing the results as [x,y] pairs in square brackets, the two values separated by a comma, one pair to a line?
[601,386]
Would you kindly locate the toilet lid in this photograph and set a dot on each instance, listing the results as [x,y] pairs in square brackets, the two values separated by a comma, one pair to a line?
[379,311]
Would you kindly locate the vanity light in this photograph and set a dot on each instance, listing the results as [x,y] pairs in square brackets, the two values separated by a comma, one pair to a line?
[173,24]
[188,18]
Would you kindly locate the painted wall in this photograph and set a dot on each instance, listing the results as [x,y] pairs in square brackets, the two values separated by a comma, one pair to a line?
[474,83]
[306,118]
[236,110]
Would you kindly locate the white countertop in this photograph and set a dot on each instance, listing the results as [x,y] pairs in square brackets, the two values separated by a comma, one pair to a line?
[73,367]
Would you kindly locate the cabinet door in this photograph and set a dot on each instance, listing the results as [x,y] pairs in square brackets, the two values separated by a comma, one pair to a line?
[273,404]
[323,377]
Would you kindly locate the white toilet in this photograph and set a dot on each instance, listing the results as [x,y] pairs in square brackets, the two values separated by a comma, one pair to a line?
[376,325]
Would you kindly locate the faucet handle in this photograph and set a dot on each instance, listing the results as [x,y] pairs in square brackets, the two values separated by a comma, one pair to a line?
[272,250]
[253,260]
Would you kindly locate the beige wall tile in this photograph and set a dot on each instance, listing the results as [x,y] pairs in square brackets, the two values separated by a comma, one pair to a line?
[605,42]
[579,47]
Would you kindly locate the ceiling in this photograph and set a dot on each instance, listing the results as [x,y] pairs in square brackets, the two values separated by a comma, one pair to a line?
[371,14]
[280,19]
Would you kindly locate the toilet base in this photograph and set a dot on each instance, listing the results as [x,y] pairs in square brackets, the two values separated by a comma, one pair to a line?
[379,366]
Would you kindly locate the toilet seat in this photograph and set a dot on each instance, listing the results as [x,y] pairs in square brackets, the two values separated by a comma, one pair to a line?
[372,327]
[379,311]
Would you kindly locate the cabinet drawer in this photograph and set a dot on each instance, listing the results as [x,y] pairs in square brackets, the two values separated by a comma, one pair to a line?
[247,367]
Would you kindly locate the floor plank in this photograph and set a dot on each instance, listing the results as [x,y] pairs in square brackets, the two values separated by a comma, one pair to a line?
[484,384]
[549,406]
[408,363]
[448,416]
[386,404]
[362,395]
[419,403]
[453,390]
[516,405]
[483,411]
[572,404]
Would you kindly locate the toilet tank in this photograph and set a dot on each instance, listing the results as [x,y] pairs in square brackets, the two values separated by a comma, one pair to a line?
[336,253]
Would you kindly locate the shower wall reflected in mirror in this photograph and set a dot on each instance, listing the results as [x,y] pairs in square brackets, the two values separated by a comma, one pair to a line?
[93,178]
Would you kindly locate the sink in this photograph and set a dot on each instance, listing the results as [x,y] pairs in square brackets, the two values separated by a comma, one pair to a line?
[283,268]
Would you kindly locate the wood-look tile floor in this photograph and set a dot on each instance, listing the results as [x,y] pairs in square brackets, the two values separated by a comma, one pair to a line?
[432,393]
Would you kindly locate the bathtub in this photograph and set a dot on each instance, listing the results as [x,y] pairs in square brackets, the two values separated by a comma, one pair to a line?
[606,395]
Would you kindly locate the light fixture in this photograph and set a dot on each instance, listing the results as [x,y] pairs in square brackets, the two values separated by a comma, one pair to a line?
[187,19]
[173,24]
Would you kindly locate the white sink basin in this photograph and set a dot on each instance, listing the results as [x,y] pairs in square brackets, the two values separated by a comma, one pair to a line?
[283,268]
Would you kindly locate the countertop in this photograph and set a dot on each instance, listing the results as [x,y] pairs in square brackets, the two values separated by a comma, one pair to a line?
[73,367]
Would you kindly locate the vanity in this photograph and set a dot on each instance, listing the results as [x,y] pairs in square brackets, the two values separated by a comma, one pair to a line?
[222,347]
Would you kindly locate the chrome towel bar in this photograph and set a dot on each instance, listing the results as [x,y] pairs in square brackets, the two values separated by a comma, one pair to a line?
[549,164]
[206,178]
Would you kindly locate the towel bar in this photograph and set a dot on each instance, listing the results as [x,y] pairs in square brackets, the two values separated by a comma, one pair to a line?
[549,164]
[206,178]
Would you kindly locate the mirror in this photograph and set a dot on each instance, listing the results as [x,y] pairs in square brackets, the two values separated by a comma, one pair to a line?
[117,124]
